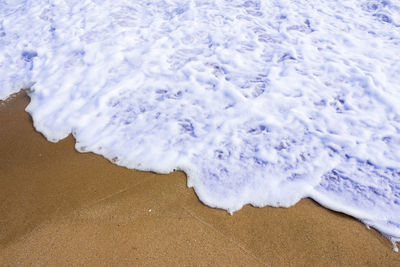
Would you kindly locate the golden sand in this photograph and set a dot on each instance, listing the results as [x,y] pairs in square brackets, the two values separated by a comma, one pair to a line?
[61,207]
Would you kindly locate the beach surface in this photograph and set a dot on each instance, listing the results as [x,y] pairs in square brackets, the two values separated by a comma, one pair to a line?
[61,207]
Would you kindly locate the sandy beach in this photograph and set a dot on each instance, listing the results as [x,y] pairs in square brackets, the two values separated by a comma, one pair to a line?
[61,207]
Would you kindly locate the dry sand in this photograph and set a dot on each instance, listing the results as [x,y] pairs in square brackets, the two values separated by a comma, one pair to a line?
[61,207]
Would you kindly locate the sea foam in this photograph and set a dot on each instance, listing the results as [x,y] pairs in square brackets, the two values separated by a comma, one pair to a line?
[259,102]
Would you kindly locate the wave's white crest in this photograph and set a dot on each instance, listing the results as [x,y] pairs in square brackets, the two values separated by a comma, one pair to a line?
[260,102]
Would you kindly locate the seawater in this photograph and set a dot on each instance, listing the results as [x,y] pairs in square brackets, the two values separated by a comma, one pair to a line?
[259,102]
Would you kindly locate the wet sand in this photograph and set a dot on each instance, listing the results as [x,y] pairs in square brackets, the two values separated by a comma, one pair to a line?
[61,207]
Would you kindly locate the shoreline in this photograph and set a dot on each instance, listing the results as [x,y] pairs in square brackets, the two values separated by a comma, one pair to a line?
[59,206]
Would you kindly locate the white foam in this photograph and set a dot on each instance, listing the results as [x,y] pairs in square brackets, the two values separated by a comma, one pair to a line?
[259,102]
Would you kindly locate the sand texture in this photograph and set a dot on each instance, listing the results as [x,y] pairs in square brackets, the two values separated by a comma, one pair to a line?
[59,207]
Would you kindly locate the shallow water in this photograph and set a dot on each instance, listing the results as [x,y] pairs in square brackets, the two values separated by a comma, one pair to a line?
[259,102]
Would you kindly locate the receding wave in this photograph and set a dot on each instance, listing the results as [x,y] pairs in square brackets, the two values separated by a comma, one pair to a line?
[259,102]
